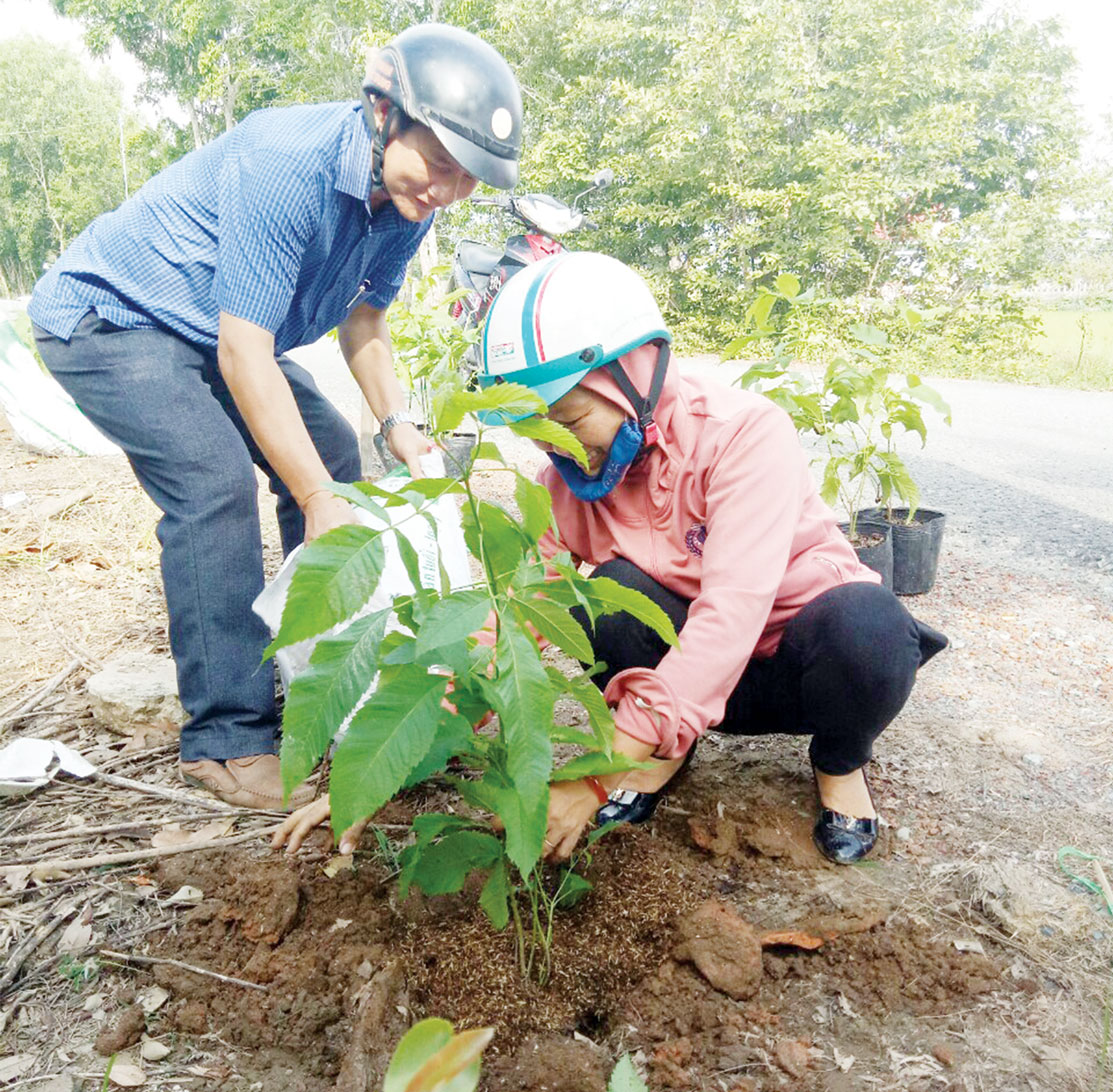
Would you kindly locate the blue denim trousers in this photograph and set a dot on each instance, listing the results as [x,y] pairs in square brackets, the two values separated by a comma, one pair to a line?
[164,402]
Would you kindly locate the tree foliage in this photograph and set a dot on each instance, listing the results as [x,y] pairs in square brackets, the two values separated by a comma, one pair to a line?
[859,144]
[919,146]
[64,138]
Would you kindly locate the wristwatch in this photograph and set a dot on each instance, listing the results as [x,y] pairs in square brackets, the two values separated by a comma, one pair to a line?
[398,417]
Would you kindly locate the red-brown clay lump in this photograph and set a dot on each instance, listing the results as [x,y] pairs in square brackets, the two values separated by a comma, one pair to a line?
[124,1033]
[724,949]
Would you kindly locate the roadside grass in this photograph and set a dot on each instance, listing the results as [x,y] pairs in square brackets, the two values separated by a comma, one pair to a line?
[1077,349]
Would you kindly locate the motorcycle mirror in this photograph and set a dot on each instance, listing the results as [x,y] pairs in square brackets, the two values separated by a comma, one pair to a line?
[603,179]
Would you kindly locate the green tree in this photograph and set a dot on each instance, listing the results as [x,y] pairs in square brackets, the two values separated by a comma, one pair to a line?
[65,142]
[916,141]
[223,58]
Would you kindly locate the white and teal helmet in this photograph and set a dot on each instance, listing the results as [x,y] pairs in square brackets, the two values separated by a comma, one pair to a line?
[556,320]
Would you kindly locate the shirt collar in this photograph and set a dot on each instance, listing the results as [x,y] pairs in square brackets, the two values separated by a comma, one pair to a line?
[354,174]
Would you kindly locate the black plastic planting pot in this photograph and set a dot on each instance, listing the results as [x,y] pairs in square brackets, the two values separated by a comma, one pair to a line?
[457,449]
[916,546]
[874,546]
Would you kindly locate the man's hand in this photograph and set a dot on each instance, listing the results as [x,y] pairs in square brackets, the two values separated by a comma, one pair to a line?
[300,823]
[323,511]
[365,342]
[408,445]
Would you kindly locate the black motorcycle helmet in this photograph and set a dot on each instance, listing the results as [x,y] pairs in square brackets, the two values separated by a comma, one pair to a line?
[457,85]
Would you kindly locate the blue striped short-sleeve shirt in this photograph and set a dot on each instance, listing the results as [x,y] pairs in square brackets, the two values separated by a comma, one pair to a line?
[268,223]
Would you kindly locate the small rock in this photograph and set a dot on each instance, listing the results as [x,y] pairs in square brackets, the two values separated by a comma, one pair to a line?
[943,1054]
[125,1033]
[1034,759]
[904,834]
[724,949]
[792,1056]
[134,691]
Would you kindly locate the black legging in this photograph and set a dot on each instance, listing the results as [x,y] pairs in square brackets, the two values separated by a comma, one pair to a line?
[843,670]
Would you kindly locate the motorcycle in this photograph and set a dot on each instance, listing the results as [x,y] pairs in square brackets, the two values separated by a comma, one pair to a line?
[479,270]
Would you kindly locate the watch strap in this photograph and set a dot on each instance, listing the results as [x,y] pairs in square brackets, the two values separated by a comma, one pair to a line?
[398,417]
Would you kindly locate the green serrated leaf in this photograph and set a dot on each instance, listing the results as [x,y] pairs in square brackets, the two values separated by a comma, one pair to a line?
[488,450]
[525,702]
[386,740]
[334,577]
[624,1077]
[444,865]
[494,538]
[596,764]
[573,887]
[535,504]
[509,399]
[609,597]
[319,699]
[361,498]
[549,432]
[599,714]
[495,897]
[453,619]
[453,737]
[411,562]
[555,624]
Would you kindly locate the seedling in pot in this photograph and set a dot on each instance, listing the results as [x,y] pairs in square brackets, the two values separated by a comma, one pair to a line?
[856,410]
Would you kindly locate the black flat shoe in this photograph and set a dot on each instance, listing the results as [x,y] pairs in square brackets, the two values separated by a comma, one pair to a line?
[843,839]
[628,806]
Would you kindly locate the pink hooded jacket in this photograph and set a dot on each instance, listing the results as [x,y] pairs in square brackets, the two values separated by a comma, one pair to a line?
[724,512]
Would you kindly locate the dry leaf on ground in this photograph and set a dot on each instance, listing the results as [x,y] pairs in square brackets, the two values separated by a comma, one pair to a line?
[127,1075]
[173,835]
[15,1065]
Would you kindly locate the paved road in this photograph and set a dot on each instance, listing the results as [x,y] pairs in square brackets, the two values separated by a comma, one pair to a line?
[1024,473]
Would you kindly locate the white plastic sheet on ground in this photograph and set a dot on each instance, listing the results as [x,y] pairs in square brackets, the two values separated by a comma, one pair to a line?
[41,414]
[27,764]
[446,547]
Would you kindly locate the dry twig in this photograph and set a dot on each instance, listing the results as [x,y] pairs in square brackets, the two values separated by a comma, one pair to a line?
[75,834]
[40,695]
[24,949]
[70,864]
[159,961]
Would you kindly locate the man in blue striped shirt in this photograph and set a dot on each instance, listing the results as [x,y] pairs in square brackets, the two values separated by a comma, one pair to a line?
[168,319]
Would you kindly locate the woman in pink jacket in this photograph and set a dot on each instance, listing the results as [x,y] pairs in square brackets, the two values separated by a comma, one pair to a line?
[699,495]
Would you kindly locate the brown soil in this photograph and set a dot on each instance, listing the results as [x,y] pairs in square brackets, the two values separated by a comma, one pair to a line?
[960,957]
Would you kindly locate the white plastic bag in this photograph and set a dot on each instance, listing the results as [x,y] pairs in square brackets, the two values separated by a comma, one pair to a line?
[41,414]
[395,581]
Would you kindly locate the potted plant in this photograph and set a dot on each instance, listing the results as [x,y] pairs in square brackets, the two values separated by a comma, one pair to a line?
[852,416]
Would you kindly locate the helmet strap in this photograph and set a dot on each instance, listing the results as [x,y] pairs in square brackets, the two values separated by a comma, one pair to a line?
[380,138]
[644,405]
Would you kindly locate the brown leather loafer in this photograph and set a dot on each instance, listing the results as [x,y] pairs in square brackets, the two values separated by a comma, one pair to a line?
[254,781]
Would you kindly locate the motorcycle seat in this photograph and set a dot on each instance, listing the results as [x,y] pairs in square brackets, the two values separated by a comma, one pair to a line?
[477,257]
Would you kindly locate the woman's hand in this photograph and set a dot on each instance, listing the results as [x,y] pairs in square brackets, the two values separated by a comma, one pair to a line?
[572,806]
[300,823]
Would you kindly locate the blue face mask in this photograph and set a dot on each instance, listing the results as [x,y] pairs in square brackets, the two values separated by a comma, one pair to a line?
[624,450]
